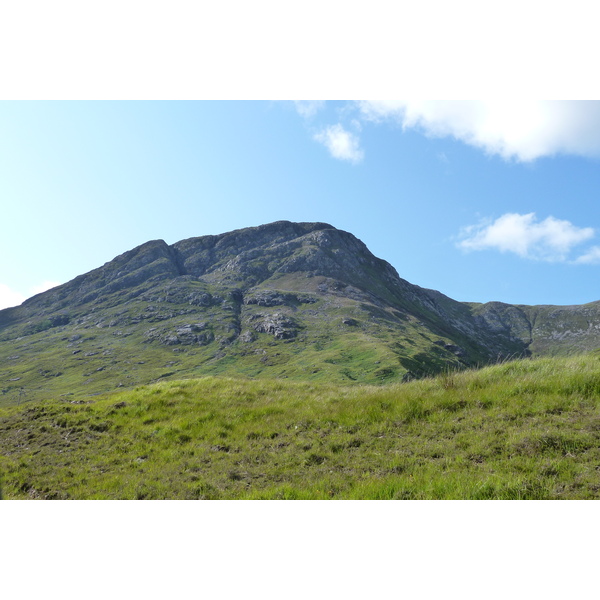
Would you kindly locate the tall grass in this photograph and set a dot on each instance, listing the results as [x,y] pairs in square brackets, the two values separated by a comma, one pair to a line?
[520,430]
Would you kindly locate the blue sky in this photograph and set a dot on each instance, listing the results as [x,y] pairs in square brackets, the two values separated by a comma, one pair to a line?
[481,201]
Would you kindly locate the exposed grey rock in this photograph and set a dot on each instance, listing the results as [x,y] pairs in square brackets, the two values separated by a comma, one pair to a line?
[266,298]
[188,334]
[201,299]
[457,350]
[247,337]
[276,324]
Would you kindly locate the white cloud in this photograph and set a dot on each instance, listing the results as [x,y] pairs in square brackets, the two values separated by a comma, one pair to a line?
[550,240]
[591,257]
[341,144]
[356,124]
[308,108]
[10,297]
[520,129]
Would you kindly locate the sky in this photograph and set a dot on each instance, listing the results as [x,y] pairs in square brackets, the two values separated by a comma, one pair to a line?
[480,200]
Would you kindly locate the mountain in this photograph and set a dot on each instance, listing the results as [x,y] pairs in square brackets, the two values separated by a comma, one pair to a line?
[283,300]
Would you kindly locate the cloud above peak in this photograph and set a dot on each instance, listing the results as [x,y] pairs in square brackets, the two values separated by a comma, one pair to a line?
[549,240]
[342,144]
[523,130]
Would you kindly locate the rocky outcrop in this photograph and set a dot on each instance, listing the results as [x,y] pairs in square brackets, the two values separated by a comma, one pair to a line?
[280,326]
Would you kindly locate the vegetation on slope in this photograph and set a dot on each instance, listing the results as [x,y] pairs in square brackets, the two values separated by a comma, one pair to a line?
[527,429]
[339,345]
[296,301]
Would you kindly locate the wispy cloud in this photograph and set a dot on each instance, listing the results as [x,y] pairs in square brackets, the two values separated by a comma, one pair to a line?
[521,130]
[550,240]
[591,257]
[10,297]
[308,108]
[341,144]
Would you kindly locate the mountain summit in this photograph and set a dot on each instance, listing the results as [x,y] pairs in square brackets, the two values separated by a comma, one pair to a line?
[297,300]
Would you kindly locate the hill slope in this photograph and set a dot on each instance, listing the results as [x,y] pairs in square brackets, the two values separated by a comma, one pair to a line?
[524,429]
[285,300]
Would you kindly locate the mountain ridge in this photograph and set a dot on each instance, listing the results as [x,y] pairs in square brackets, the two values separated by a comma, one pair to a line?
[284,299]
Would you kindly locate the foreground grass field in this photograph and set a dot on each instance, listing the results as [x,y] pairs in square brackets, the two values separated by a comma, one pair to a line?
[521,430]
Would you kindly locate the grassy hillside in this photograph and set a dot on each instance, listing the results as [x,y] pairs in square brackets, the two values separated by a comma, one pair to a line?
[335,344]
[521,430]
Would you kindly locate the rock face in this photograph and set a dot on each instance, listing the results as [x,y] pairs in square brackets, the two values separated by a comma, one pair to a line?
[300,300]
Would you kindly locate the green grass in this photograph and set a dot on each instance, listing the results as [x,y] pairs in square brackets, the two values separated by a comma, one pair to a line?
[521,430]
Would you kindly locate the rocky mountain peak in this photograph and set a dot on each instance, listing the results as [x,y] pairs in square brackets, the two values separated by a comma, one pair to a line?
[283,299]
